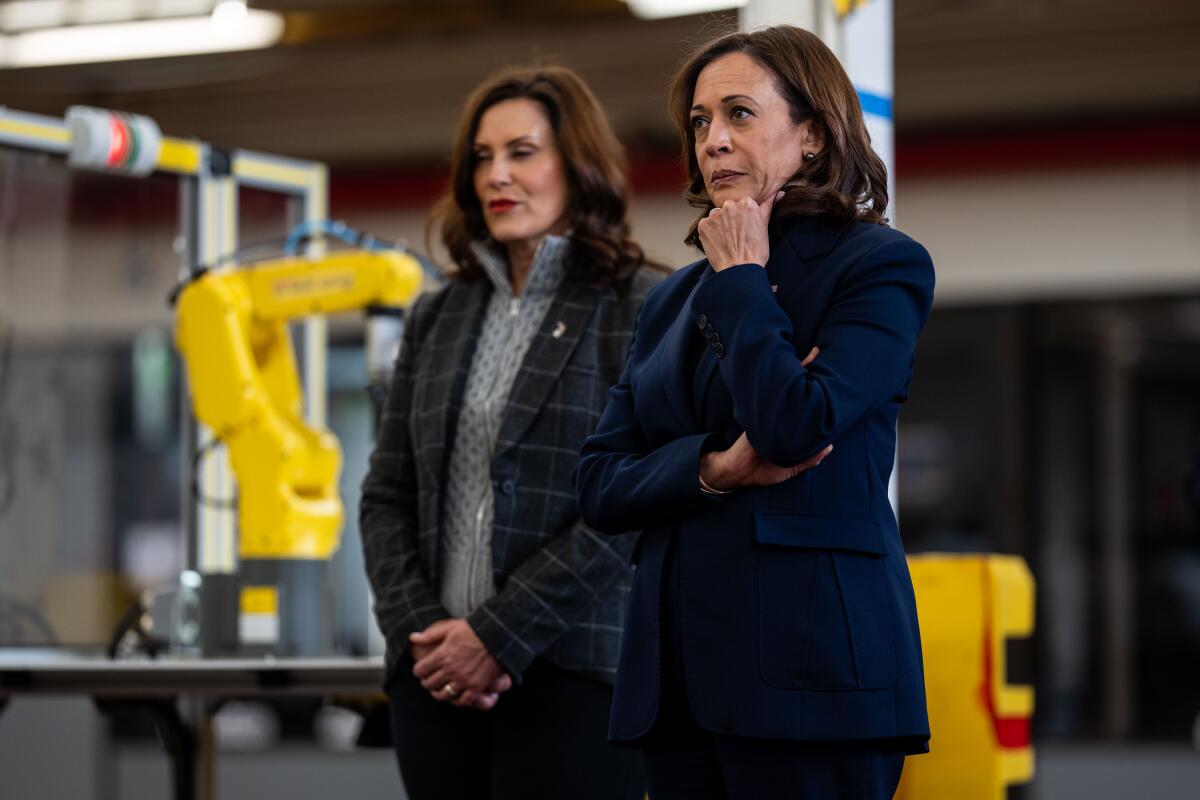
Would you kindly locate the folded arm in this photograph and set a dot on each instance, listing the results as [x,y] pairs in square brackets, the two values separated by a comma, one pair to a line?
[791,411]
[625,484]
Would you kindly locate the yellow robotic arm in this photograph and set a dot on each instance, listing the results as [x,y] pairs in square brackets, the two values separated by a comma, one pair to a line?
[231,328]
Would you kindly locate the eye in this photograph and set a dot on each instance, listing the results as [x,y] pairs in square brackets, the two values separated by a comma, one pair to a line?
[524,152]
[740,112]
[698,123]
[481,156]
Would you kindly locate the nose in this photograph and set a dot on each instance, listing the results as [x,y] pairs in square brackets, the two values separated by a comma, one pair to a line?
[498,173]
[716,140]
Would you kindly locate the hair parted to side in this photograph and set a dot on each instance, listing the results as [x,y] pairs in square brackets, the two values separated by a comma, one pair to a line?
[595,165]
[846,180]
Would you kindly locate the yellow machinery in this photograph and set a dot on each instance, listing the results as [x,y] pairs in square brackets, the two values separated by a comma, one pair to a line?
[232,331]
[969,605]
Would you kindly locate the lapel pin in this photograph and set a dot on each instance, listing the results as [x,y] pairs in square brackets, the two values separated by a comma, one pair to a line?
[559,330]
[774,287]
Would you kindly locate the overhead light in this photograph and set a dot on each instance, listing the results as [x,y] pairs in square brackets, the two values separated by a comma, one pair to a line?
[660,9]
[234,29]
[18,15]
[108,11]
[230,14]
[23,15]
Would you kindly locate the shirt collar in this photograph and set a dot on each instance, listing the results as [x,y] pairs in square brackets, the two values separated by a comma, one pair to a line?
[545,273]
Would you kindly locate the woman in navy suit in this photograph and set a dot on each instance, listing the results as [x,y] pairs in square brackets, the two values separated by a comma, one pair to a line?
[771,648]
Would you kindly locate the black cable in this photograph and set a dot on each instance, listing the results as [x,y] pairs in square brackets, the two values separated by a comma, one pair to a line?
[275,243]
[221,503]
[237,257]
[196,271]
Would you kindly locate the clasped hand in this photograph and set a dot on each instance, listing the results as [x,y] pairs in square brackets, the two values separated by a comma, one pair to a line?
[742,466]
[455,666]
[736,233]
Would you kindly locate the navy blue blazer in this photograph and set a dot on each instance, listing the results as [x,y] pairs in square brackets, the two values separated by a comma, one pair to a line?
[798,614]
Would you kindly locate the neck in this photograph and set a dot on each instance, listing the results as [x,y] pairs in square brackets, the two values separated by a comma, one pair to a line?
[520,260]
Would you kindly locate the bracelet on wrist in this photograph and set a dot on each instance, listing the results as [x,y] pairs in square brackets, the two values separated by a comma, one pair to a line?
[704,487]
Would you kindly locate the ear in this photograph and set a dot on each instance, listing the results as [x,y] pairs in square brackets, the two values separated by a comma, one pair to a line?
[812,136]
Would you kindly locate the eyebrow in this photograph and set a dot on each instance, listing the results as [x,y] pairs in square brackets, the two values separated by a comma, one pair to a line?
[729,98]
[511,142]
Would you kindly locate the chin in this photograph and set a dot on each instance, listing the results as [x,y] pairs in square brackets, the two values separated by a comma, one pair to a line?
[504,234]
[724,195]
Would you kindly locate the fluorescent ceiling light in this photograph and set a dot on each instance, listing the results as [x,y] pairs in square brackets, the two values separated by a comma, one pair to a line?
[24,15]
[125,41]
[659,9]
[230,14]
[178,8]
[20,15]
[108,11]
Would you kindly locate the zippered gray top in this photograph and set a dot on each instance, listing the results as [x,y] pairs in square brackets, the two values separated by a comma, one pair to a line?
[509,325]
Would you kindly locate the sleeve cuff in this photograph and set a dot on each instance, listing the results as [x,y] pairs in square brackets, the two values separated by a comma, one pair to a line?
[421,618]
[687,479]
[504,645]
[711,442]
[730,289]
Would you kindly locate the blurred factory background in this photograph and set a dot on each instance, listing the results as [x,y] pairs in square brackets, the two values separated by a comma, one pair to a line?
[1047,154]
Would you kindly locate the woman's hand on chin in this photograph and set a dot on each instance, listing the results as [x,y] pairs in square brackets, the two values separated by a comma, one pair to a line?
[736,232]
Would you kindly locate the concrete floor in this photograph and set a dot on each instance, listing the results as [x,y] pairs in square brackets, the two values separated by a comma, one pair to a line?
[59,748]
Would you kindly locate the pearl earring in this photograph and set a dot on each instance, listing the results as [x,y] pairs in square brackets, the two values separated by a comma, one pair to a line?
[810,156]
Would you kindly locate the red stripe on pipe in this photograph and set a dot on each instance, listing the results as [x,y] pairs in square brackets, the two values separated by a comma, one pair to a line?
[118,142]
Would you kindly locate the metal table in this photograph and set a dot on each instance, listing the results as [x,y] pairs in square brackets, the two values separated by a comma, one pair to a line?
[178,692]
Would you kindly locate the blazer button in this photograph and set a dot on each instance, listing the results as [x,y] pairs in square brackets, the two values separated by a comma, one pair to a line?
[719,349]
[507,487]
[702,322]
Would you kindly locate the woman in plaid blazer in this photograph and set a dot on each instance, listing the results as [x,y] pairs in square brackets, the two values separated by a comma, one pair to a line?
[501,609]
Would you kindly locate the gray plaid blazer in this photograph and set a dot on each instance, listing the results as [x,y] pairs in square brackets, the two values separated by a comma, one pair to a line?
[561,587]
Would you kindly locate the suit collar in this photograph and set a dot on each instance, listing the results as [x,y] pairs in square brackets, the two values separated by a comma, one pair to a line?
[546,271]
[552,346]
[458,333]
[796,244]
[807,237]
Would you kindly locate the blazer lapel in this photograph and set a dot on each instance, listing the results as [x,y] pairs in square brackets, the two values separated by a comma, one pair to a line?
[797,250]
[702,380]
[673,361]
[546,359]
[442,379]
[800,247]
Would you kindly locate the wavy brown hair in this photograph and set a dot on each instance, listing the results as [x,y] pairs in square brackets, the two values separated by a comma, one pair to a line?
[596,171]
[846,180]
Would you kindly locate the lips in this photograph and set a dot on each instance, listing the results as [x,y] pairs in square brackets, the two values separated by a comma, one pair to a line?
[500,206]
[724,176]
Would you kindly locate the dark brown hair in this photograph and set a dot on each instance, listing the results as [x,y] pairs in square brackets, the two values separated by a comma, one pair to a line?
[847,179]
[595,165]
